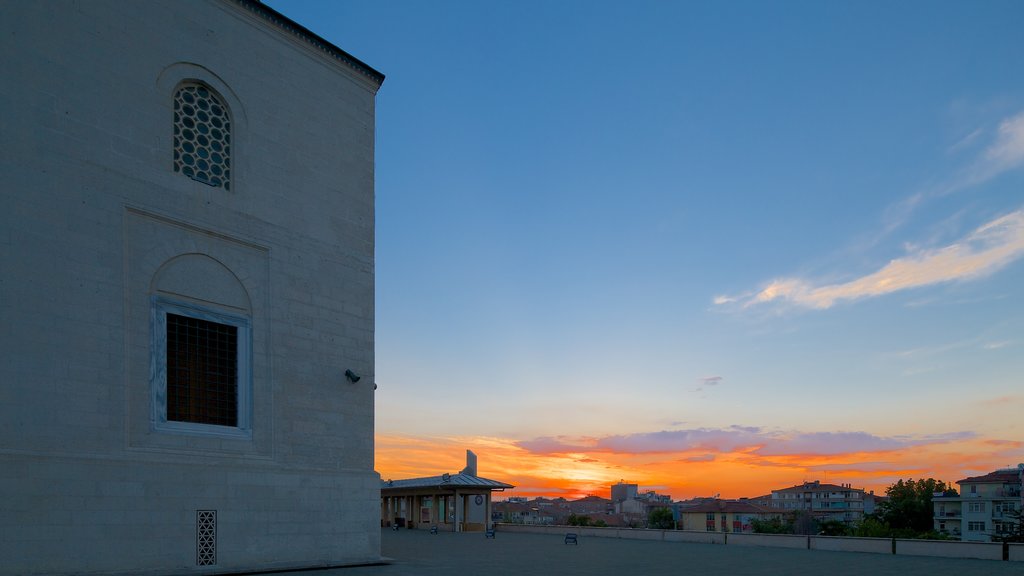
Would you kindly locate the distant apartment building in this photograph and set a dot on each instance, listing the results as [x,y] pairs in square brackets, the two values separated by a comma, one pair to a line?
[622,492]
[591,505]
[839,502]
[714,515]
[653,497]
[987,506]
[633,506]
[520,510]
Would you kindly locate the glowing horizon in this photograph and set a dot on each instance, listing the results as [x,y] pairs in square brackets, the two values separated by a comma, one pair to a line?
[684,474]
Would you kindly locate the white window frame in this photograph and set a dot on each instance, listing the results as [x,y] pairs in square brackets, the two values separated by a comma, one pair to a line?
[161,306]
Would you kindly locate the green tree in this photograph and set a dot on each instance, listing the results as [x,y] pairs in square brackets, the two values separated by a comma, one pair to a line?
[833,528]
[775,525]
[1014,531]
[661,518]
[801,522]
[909,507]
[871,527]
[580,520]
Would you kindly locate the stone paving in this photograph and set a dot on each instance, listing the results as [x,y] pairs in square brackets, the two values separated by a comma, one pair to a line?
[419,553]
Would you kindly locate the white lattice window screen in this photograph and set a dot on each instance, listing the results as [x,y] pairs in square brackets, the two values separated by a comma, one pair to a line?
[202,136]
[206,537]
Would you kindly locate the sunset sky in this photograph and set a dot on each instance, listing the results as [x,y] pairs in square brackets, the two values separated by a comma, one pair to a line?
[704,247]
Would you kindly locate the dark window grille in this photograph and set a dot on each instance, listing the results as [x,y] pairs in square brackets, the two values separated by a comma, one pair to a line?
[202,371]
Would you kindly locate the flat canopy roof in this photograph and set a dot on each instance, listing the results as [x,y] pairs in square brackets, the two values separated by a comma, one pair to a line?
[443,482]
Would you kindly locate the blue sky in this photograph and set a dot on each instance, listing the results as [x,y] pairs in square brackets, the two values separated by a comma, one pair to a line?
[607,220]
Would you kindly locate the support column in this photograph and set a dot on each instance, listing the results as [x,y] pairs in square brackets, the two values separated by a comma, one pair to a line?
[460,511]
[487,511]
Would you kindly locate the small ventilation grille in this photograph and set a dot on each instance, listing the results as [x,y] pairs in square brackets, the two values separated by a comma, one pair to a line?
[206,537]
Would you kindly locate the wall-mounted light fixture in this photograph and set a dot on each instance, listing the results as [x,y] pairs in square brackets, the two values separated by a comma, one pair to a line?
[352,376]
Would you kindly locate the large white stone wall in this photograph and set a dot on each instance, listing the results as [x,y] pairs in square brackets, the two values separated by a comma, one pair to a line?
[91,212]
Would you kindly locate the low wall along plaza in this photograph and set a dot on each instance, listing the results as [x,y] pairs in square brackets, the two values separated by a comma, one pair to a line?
[937,548]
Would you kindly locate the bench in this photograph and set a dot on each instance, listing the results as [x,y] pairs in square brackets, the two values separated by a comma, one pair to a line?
[433,529]
[571,538]
[489,533]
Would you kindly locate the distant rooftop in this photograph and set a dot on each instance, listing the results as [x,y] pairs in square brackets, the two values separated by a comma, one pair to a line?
[818,486]
[1002,476]
[446,482]
[725,506]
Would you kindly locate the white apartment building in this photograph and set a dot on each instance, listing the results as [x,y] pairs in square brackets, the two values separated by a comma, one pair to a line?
[186,278]
[839,502]
[982,510]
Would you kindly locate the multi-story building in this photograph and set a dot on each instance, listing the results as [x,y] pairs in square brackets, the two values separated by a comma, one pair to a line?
[518,510]
[839,502]
[623,491]
[514,511]
[591,505]
[653,497]
[987,505]
[186,291]
[714,515]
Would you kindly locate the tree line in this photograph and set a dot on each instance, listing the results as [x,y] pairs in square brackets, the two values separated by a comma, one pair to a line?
[907,513]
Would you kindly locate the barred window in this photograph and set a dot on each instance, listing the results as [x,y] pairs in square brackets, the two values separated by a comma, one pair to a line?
[202,371]
[202,374]
[202,135]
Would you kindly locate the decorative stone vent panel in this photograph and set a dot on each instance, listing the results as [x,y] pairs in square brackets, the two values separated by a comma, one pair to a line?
[206,537]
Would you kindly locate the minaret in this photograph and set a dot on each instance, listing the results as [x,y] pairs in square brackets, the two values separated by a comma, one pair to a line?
[470,464]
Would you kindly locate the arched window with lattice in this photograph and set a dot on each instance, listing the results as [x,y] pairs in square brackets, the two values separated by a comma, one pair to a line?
[202,135]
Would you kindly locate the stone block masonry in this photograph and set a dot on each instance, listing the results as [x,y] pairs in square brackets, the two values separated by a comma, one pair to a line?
[98,231]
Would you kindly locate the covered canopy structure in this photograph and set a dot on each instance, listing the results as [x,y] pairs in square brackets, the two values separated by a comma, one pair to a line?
[452,502]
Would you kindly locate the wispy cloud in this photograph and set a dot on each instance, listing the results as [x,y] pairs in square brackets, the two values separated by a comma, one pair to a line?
[984,251]
[1004,154]
[996,345]
[747,439]
[967,141]
[1001,400]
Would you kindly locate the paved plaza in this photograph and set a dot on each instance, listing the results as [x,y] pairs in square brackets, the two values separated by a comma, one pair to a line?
[419,553]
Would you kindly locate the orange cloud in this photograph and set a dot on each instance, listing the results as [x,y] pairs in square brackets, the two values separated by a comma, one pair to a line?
[738,471]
